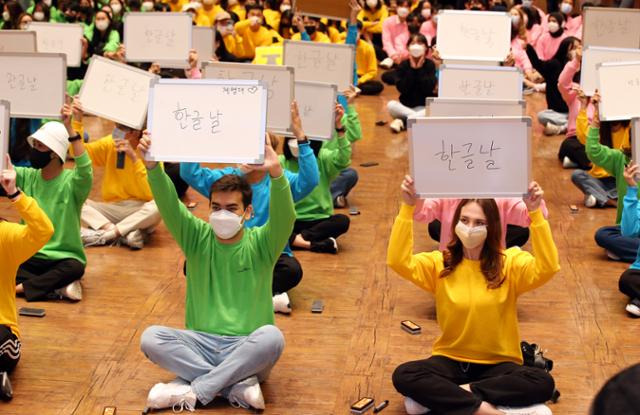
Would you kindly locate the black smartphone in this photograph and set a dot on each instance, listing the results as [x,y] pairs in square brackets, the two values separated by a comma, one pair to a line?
[361,406]
[410,327]
[31,312]
[317,306]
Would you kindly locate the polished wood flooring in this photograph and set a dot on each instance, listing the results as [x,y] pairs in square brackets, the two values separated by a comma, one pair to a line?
[82,357]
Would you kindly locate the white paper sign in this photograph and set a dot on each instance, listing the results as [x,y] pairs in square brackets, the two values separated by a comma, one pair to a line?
[470,156]
[321,62]
[60,38]
[619,87]
[593,55]
[116,91]
[480,82]
[158,37]
[279,81]
[611,27]
[17,41]
[204,40]
[474,35]
[207,121]
[464,107]
[316,104]
[4,132]
[34,83]
[635,140]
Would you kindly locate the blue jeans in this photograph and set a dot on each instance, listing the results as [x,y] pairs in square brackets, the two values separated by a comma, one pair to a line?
[342,185]
[212,363]
[550,116]
[602,189]
[611,239]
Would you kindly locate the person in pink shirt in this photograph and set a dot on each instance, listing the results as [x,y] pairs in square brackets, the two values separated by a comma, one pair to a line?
[438,213]
[573,24]
[549,42]
[533,26]
[532,79]
[428,27]
[395,35]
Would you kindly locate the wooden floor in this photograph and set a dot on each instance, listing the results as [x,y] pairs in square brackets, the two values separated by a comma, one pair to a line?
[82,357]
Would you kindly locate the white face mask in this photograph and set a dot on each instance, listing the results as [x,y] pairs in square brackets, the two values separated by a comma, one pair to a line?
[471,237]
[426,13]
[116,7]
[285,7]
[417,50]
[527,3]
[293,147]
[39,16]
[403,12]
[372,4]
[147,6]
[225,224]
[553,27]
[6,16]
[566,8]
[225,29]
[255,20]
[515,19]
[102,25]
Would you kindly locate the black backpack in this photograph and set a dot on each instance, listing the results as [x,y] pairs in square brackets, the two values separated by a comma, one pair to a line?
[532,356]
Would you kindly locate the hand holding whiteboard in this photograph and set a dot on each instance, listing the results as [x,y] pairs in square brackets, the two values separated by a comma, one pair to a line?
[207,121]
[321,62]
[461,157]
[158,37]
[4,133]
[60,38]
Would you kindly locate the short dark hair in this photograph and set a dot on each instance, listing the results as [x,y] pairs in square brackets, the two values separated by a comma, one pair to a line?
[253,7]
[233,183]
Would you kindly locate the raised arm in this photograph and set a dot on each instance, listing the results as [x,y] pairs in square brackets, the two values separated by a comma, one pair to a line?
[201,179]
[565,80]
[83,171]
[601,155]
[308,176]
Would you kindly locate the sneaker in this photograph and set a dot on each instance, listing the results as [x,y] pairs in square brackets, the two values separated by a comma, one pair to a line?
[526,410]
[328,246]
[175,395]
[552,129]
[92,238]
[414,408]
[568,164]
[281,303]
[247,394]
[611,255]
[340,202]
[134,240]
[396,125]
[71,292]
[387,63]
[633,308]
[540,87]
[590,201]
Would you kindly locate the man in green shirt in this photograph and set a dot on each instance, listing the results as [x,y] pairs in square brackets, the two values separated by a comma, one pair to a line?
[230,343]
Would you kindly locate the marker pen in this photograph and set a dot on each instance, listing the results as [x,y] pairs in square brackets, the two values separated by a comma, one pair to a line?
[380,407]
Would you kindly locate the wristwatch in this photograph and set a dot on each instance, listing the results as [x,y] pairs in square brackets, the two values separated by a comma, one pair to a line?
[74,138]
[14,195]
[341,129]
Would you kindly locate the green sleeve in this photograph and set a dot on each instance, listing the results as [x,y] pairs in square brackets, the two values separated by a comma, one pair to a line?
[73,87]
[603,156]
[336,160]
[351,122]
[82,178]
[186,229]
[88,31]
[113,43]
[56,16]
[274,235]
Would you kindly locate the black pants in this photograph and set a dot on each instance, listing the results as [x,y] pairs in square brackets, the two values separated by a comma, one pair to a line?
[516,235]
[629,283]
[286,275]
[9,349]
[575,151]
[40,277]
[434,383]
[390,77]
[321,229]
[376,39]
[372,87]
[173,171]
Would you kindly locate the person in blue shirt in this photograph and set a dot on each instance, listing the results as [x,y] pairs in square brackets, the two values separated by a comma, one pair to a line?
[629,283]
[288,272]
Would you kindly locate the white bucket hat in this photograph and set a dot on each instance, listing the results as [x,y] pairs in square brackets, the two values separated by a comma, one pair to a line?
[53,135]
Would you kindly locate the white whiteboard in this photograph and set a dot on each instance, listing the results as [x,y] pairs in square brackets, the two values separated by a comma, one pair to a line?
[207,121]
[4,132]
[619,87]
[474,35]
[317,107]
[279,81]
[158,37]
[60,38]
[470,156]
[17,41]
[464,107]
[34,83]
[635,140]
[611,27]
[321,62]
[204,40]
[480,82]
[593,55]
[116,91]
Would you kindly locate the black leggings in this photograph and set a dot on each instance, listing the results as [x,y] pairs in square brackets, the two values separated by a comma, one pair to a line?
[629,283]
[9,349]
[572,148]
[516,235]
[434,383]
[321,229]
[372,87]
[40,277]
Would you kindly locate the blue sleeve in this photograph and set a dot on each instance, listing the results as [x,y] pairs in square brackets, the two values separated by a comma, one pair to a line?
[630,224]
[352,39]
[201,179]
[308,176]
[304,36]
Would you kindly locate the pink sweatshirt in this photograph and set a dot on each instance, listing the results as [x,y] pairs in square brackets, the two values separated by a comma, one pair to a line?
[513,211]
[395,35]
[520,55]
[533,35]
[548,46]
[570,96]
[573,26]
[429,30]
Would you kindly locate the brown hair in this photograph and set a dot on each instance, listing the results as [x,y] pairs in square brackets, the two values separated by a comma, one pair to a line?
[233,183]
[491,257]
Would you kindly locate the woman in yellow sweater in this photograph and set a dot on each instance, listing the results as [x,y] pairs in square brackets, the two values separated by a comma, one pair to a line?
[476,363]
[18,243]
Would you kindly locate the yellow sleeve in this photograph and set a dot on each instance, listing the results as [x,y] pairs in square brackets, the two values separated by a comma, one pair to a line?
[582,126]
[529,271]
[420,269]
[296,36]
[25,240]
[203,21]
[231,45]
[242,26]
[370,66]
[78,127]
[99,150]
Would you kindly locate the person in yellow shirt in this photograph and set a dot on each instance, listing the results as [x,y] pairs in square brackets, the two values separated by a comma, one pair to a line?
[373,14]
[237,7]
[310,26]
[18,243]
[209,9]
[253,32]
[367,66]
[128,212]
[476,365]
[224,26]
[272,14]
[286,23]
[176,5]
[198,19]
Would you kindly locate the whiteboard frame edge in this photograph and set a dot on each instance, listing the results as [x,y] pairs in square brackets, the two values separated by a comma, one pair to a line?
[473,12]
[334,87]
[29,33]
[50,24]
[635,138]
[603,103]
[606,10]
[164,14]
[7,119]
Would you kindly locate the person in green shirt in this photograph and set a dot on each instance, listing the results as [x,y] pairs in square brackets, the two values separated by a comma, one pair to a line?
[102,38]
[56,269]
[230,343]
